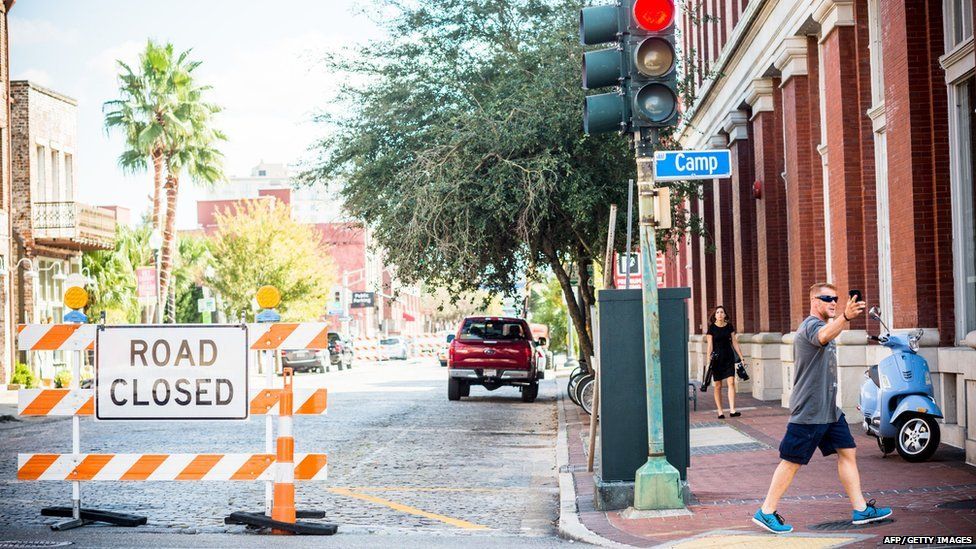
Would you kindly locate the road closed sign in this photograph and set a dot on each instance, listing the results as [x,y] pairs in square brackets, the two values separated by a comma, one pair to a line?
[171,372]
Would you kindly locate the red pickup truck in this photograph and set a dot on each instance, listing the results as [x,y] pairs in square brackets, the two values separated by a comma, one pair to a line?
[492,352]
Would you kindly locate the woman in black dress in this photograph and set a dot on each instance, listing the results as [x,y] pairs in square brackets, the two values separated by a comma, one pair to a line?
[723,350]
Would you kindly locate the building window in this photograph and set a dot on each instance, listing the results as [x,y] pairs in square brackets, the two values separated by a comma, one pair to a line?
[959,22]
[877,114]
[964,198]
[874,45]
[69,182]
[262,173]
[55,177]
[40,181]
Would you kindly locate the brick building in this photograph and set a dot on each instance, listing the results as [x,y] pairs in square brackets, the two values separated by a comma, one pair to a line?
[396,309]
[6,255]
[50,230]
[851,125]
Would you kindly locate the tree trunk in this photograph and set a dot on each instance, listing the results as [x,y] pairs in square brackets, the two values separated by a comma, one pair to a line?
[157,159]
[169,234]
[575,313]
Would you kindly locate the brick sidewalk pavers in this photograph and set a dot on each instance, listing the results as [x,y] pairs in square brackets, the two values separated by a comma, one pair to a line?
[728,483]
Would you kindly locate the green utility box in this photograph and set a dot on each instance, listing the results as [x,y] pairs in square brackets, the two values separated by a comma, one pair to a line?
[623,400]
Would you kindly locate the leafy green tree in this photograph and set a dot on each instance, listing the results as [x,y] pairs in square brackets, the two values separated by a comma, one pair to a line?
[114,273]
[189,277]
[258,243]
[460,143]
[546,306]
[448,310]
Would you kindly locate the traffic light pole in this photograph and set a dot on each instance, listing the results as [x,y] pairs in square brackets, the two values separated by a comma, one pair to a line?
[657,484]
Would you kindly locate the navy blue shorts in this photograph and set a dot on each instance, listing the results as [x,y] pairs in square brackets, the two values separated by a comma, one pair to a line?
[801,440]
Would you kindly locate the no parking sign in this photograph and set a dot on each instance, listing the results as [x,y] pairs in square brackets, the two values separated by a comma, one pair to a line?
[171,372]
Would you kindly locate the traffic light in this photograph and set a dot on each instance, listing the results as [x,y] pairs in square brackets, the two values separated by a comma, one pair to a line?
[642,65]
[605,112]
[652,64]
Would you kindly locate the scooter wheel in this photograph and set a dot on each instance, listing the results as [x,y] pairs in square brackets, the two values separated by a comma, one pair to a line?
[918,438]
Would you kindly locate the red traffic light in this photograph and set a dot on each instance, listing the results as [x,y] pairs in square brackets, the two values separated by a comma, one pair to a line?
[654,15]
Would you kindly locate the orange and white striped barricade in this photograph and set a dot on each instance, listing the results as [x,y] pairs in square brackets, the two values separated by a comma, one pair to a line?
[77,467]
[81,402]
[269,339]
[75,339]
[151,467]
[367,349]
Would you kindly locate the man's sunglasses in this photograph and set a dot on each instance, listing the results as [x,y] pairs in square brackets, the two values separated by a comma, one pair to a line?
[827,298]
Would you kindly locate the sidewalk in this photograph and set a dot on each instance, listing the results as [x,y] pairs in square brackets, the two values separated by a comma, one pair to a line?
[731,465]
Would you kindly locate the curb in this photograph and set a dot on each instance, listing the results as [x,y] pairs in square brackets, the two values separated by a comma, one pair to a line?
[570,526]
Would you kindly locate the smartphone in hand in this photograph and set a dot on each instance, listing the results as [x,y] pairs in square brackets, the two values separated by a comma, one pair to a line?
[857,295]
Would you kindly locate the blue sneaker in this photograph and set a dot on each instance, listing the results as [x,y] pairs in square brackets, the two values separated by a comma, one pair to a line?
[772,522]
[870,514]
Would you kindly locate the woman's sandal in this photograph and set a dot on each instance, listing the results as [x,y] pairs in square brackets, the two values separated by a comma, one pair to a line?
[721,416]
[735,414]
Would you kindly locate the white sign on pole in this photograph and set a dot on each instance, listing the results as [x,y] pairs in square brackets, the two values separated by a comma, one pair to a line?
[206,304]
[171,372]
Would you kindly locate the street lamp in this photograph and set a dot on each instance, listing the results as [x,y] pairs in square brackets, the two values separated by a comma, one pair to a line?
[156,244]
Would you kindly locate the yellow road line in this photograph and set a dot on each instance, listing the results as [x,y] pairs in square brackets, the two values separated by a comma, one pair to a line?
[409,510]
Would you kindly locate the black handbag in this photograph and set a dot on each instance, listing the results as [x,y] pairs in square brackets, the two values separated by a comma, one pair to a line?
[740,368]
[707,375]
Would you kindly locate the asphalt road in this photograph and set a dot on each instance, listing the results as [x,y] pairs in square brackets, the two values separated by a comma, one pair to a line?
[403,462]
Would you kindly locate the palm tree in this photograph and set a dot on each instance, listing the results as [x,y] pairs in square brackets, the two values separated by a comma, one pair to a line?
[146,111]
[192,151]
[164,118]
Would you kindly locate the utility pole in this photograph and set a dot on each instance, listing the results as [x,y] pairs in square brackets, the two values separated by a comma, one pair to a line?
[658,483]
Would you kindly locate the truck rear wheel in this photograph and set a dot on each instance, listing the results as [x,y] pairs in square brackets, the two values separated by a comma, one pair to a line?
[529,392]
[453,389]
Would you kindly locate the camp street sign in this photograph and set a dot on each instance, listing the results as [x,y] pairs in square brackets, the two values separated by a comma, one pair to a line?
[171,372]
[692,165]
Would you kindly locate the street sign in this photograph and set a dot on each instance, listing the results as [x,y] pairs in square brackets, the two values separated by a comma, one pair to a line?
[146,281]
[692,165]
[625,271]
[171,372]
[362,300]
[206,305]
[335,308]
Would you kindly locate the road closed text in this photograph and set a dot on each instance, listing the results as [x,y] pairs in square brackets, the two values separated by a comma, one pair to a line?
[177,372]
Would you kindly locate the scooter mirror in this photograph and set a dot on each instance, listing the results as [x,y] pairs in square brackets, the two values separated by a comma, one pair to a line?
[875,313]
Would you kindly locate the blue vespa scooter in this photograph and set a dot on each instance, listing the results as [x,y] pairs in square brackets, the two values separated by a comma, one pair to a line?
[897,398]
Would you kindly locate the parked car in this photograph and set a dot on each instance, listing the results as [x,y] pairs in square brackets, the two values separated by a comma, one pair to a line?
[492,352]
[394,348]
[306,360]
[340,351]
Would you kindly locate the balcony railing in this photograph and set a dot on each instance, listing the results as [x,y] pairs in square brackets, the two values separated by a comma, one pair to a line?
[78,225]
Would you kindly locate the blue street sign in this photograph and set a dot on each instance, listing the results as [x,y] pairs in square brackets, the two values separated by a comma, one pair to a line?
[691,165]
[75,317]
[268,315]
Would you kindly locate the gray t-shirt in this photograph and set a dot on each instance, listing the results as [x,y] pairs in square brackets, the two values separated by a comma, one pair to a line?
[814,397]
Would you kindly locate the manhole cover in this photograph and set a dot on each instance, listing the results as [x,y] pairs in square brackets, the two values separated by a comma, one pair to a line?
[847,525]
[962,504]
[25,544]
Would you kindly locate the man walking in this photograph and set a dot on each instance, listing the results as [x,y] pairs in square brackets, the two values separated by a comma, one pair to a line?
[816,421]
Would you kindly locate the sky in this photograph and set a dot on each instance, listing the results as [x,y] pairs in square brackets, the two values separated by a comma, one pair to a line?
[262,59]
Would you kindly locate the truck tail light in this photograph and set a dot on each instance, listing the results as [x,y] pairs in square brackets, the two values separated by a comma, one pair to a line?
[450,354]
